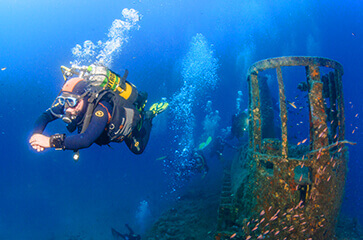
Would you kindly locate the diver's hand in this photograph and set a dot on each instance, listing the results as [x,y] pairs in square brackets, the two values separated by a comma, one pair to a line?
[39,142]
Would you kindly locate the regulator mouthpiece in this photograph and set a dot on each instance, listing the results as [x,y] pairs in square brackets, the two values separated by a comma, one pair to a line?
[68,118]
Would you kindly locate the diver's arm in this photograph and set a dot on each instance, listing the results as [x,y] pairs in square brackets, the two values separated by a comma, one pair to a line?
[97,125]
[38,141]
[45,118]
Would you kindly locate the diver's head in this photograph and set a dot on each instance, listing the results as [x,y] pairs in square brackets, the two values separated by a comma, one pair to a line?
[73,98]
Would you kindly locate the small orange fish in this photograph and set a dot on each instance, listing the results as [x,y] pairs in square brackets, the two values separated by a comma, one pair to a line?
[300,178]
[233,235]
[303,141]
[3,69]
[262,212]
[292,104]
[353,131]
[248,238]
[254,229]
[328,178]
[356,115]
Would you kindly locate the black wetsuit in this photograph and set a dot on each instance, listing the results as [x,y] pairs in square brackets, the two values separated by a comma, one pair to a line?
[97,129]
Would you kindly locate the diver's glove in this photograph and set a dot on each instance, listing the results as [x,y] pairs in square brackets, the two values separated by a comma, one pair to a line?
[57,141]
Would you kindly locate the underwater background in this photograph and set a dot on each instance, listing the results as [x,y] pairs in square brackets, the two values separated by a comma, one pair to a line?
[193,53]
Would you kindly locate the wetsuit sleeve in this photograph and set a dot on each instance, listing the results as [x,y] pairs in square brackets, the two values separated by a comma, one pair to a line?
[45,118]
[96,126]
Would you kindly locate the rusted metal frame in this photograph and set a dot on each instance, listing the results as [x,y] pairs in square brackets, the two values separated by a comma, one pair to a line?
[256,112]
[294,61]
[318,115]
[283,113]
[333,105]
[250,117]
[340,102]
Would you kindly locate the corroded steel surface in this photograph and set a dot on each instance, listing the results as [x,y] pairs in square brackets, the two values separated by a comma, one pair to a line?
[294,61]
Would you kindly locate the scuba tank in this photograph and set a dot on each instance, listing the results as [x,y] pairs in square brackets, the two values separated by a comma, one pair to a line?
[100,76]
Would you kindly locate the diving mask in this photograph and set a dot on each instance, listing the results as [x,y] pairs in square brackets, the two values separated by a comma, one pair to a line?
[68,101]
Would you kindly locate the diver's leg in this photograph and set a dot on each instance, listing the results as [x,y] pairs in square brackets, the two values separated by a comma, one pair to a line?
[139,139]
[116,235]
[131,232]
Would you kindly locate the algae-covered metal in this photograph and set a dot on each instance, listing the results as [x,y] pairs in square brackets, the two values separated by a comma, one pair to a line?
[292,190]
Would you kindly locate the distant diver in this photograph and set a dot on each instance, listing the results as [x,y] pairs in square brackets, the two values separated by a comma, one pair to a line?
[130,236]
[239,125]
[199,162]
[102,106]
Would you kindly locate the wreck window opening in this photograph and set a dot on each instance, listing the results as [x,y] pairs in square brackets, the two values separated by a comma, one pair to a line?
[270,113]
[268,167]
[304,191]
[297,104]
[270,107]
[330,93]
[302,177]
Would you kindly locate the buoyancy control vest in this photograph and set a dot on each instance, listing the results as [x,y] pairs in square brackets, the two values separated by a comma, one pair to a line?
[105,85]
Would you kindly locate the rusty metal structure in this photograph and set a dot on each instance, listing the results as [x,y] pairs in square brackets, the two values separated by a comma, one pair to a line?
[281,189]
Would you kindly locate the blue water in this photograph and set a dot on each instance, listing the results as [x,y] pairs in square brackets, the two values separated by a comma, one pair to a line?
[49,196]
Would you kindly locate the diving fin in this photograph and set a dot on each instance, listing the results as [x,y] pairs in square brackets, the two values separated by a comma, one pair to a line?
[204,144]
[160,107]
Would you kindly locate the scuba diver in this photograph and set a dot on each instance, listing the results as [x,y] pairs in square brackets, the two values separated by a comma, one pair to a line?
[199,162]
[239,125]
[130,236]
[102,113]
